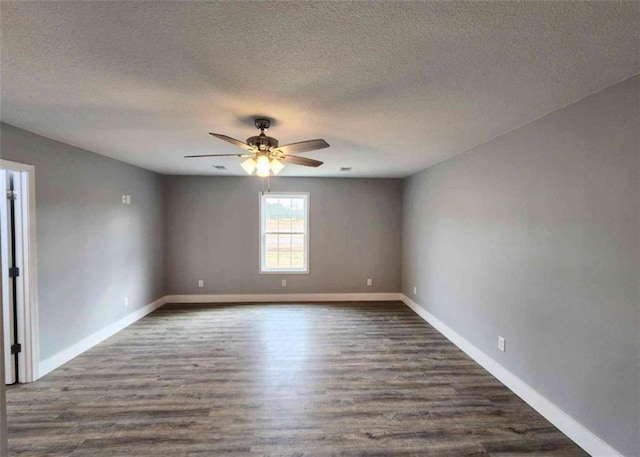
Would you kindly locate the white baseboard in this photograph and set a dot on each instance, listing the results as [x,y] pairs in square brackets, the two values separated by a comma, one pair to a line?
[582,436]
[48,365]
[273,298]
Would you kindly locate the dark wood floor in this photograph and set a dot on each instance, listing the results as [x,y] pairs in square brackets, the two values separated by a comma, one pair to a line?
[279,380]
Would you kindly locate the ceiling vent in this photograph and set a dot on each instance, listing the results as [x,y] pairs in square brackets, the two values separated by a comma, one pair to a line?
[219,167]
[345,168]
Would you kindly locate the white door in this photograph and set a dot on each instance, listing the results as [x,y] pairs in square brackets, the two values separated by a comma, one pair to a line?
[7,282]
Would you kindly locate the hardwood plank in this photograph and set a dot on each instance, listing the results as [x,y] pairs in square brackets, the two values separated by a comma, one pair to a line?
[349,379]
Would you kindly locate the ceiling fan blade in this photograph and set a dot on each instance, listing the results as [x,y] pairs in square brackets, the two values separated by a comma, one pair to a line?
[303,146]
[233,141]
[219,155]
[302,161]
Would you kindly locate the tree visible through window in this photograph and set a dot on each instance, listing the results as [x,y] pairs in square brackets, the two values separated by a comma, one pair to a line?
[284,233]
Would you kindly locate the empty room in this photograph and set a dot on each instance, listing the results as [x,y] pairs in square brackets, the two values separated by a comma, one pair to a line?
[320,228]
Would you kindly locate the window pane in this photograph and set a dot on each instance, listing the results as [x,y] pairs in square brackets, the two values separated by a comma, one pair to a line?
[284,225]
[297,224]
[271,207]
[271,251]
[271,214]
[297,243]
[272,242]
[285,206]
[285,215]
[272,224]
[284,260]
[271,260]
[297,251]
[297,215]
[285,243]
[297,259]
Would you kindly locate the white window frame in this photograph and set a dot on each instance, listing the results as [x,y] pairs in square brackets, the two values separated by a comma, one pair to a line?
[262,201]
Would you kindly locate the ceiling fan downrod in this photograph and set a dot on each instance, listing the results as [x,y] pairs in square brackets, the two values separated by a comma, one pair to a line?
[262,142]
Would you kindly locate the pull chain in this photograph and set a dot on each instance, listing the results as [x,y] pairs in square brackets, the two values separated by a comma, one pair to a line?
[268,184]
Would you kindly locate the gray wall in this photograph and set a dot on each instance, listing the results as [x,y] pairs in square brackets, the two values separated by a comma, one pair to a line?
[213,234]
[92,250]
[535,236]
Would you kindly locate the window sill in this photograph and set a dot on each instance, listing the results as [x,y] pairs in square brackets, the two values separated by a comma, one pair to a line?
[284,272]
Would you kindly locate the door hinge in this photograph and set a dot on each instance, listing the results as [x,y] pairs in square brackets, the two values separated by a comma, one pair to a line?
[12,195]
[16,348]
[14,272]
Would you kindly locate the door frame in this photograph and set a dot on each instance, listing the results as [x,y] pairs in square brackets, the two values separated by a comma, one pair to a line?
[4,448]
[28,309]
[11,296]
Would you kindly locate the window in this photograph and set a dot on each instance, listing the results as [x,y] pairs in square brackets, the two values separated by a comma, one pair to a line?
[284,232]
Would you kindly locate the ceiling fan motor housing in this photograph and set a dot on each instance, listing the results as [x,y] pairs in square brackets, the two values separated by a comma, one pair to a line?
[262,142]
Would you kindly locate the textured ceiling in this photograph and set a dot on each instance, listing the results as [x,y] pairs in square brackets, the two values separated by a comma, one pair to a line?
[393,86]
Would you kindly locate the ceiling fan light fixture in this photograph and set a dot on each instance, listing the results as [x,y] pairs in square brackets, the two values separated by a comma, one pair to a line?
[276,166]
[249,166]
[263,166]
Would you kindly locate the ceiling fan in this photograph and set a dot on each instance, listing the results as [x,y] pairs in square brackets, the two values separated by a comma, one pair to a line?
[265,156]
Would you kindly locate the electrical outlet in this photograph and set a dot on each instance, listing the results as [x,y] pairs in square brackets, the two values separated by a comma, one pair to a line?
[502,344]
[284,283]
[200,283]
[124,199]
[415,290]
[128,199]
[369,282]
[126,301]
